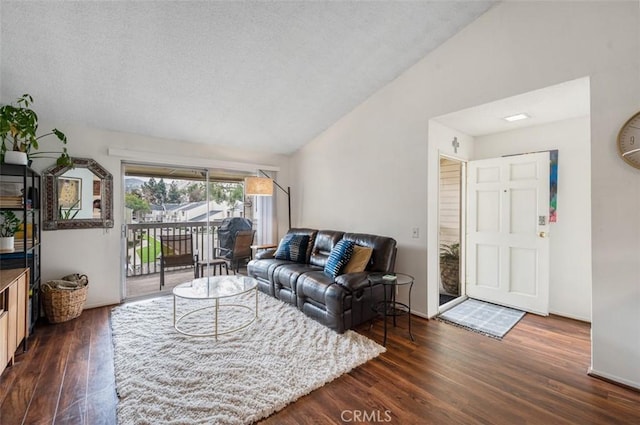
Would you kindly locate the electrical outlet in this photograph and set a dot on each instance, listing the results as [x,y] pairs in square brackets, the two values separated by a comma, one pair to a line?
[415,232]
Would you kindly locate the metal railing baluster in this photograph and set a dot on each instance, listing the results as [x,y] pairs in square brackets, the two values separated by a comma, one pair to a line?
[147,235]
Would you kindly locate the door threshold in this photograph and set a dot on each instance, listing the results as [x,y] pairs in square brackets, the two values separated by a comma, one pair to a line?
[454,302]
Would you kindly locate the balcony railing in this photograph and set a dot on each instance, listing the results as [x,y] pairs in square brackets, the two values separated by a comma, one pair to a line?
[144,248]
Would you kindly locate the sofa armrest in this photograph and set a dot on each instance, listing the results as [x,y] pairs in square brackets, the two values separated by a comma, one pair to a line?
[353,281]
[265,253]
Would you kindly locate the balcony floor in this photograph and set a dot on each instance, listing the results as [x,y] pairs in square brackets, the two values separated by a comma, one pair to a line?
[149,285]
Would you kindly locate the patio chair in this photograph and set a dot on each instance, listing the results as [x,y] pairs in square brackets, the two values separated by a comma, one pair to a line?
[240,252]
[177,251]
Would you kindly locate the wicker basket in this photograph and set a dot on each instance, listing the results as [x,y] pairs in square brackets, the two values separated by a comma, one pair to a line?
[64,300]
[450,275]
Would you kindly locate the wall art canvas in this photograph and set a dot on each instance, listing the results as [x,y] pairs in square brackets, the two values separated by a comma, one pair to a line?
[553,189]
[70,193]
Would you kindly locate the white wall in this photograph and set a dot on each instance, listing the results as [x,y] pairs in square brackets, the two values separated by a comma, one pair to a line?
[96,252]
[570,237]
[368,172]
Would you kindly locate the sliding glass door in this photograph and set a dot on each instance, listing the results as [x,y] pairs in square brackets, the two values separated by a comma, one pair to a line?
[169,210]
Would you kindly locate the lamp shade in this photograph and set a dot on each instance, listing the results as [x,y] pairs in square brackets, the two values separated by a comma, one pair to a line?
[258,186]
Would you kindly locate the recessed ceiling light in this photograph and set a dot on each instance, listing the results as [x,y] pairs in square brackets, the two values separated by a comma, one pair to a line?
[516,117]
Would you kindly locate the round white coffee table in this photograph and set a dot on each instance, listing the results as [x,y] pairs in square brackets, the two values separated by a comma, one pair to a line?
[215,288]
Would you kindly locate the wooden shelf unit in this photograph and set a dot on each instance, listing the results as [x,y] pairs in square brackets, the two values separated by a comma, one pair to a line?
[14,322]
[26,203]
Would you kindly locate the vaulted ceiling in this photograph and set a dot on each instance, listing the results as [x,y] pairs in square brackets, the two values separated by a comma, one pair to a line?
[267,76]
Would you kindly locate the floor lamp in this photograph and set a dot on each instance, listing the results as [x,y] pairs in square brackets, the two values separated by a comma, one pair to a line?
[263,186]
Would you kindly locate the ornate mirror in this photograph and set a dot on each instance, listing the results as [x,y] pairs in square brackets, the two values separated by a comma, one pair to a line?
[78,196]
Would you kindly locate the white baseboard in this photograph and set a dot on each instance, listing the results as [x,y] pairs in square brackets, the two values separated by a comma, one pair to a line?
[613,379]
[417,313]
[571,316]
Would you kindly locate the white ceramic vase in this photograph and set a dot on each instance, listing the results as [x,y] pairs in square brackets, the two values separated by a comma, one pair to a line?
[6,243]
[15,157]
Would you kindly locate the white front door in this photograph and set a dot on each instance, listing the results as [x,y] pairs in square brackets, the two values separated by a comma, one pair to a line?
[507,252]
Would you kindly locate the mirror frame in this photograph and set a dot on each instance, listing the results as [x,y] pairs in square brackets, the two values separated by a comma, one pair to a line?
[51,221]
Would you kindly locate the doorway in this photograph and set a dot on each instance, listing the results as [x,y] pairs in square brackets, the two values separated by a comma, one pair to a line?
[554,119]
[493,227]
[450,229]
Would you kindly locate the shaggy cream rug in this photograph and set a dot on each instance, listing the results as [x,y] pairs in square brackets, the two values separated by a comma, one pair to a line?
[164,377]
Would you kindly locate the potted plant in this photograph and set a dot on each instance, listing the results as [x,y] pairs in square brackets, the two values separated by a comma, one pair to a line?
[8,227]
[18,135]
[450,267]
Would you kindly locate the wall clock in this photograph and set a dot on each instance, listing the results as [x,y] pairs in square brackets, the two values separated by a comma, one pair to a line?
[629,141]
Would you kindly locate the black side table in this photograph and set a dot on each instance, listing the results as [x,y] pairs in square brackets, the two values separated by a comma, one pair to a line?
[389,306]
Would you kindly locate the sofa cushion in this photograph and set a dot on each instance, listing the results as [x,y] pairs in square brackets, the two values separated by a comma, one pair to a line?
[286,275]
[354,282]
[314,285]
[263,269]
[383,257]
[293,248]
[359,259]
[324,243]
[339,257]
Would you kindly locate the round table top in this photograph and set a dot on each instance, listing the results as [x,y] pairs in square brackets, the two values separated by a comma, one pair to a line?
[213,287]
[390,278]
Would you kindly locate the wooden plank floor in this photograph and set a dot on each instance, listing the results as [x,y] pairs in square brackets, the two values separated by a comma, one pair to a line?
[536,375]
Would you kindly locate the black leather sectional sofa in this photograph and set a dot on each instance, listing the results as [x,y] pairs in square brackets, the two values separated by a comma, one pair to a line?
[341,302]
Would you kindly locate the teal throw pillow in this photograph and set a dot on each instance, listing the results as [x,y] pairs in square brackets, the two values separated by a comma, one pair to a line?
[293,248]
[338,258]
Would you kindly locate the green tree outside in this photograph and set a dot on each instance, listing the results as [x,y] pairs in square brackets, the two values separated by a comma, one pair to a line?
[195,192]
[174,195]
[135,202]
[226,192]
[155,192]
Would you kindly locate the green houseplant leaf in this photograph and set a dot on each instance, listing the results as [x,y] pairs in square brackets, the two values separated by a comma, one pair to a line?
[10,224]
[69,213]
[450,251]
[18,132]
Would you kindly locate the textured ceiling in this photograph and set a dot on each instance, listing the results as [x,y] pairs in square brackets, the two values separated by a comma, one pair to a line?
[267,76]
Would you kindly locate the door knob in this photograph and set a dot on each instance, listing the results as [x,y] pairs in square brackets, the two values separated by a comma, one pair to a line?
[542,234]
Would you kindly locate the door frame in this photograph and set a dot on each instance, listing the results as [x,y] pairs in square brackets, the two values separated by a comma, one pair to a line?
[124,226]
[433,239]
[463,230]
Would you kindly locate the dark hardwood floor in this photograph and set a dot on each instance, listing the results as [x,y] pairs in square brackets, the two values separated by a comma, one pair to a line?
[536,375]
